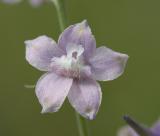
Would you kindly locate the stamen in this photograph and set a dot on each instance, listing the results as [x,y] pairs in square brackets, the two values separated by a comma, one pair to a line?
[74,55]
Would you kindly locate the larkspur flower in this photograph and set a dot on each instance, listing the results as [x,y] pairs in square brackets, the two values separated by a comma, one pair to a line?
[73,66]
[32,2]
[136,129]
[37,2]
[126,131]
[11,1]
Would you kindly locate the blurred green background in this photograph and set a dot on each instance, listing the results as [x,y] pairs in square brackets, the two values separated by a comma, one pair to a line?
[128,26]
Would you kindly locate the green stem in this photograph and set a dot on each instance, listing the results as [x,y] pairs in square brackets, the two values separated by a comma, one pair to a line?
[82,125]
[61,13]
[60,7]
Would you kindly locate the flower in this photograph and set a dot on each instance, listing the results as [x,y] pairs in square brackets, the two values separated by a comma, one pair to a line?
[126,131]
[73,65]
[11,1]
[139,130]
[34,3]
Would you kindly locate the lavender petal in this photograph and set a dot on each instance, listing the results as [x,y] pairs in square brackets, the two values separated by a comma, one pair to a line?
[107,64]
[40,51]
[85,96]
[52,90]
[79,34]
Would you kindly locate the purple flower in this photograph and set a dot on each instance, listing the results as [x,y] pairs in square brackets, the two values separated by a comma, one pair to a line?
[11,1]
[127,131]
[73,66]
[32,2]
[137,129]
[37,2]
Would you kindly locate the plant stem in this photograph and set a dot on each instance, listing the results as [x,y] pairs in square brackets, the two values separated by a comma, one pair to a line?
[60,7]
[61,13]
[82,125]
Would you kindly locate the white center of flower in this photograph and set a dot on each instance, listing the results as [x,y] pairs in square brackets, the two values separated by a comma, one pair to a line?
[70,64]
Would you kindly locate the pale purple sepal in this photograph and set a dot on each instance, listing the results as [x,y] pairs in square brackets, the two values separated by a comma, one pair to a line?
[107,64]
[11,1]
[126,131]
[79,34]
[36,3]
[85,96]
[139,129]
[156,128]
[52,90]
[40,51]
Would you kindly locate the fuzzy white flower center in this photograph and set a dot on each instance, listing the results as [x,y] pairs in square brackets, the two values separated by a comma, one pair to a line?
[70,64]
